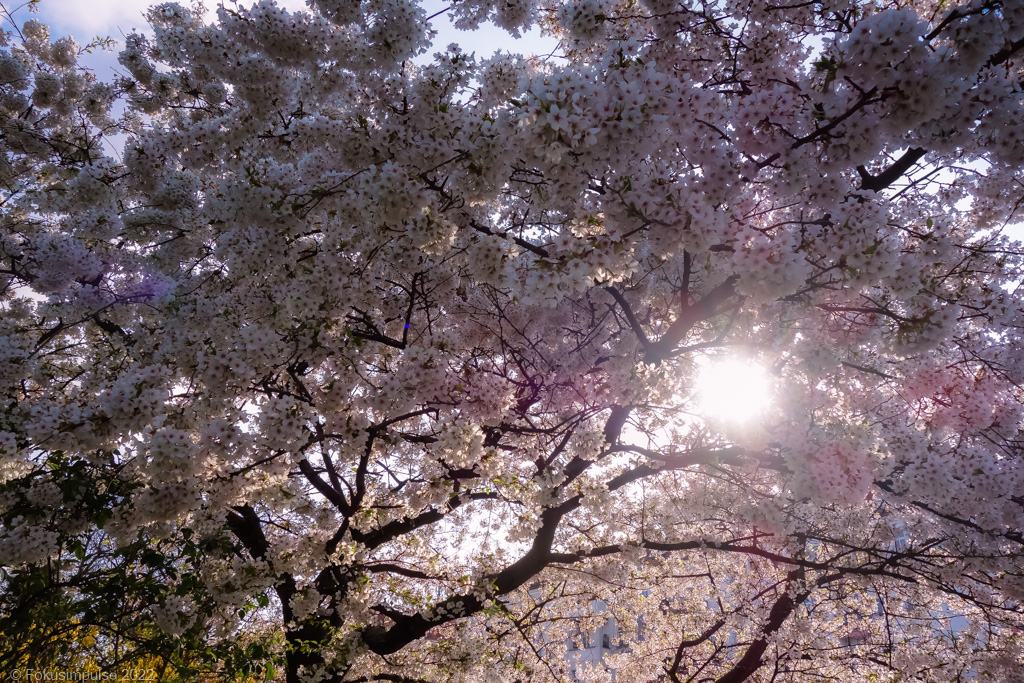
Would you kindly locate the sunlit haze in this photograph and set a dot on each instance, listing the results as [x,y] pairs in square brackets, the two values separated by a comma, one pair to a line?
[732,390]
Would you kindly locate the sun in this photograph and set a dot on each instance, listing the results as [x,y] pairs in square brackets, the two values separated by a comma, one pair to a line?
[733,390]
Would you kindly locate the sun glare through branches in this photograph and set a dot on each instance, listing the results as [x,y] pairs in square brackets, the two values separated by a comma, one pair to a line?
[735,390]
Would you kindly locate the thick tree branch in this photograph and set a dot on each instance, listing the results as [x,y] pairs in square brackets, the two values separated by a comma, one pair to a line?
[704,309]
[627,310]
[408,628]
[326,490]
[892,174]
[752,659]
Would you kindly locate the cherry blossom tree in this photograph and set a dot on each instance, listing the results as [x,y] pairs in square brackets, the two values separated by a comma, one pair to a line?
[352,347]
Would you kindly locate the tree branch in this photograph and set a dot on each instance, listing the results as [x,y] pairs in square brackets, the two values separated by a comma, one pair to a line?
[892,174]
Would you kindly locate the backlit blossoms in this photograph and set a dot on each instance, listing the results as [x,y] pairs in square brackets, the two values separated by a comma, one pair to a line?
[365,356]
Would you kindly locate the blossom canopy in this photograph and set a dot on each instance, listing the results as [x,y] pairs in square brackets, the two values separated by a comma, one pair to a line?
[352,345]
